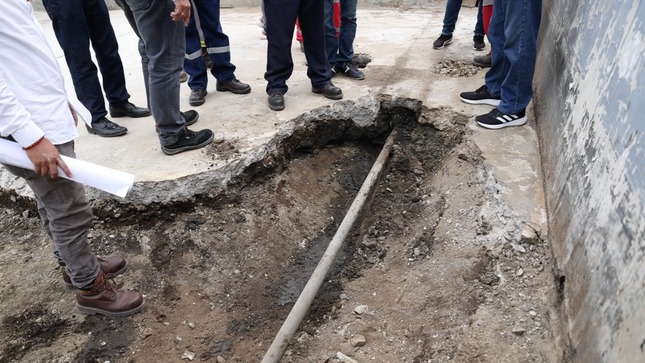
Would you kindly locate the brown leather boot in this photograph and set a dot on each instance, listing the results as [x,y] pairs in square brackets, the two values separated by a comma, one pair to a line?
[112,266]
[103,297]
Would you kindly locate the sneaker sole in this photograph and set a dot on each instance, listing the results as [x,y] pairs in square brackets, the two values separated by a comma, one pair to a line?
[479,49]
[519,122]
[486,101]
[86,310]
[331,97]
[187,148]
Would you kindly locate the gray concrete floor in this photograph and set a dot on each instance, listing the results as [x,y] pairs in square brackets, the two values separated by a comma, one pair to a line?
[400,44]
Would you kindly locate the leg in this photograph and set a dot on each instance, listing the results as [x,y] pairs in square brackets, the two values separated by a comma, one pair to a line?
[499,64]
[280,19]
[70,23]
[67,216]
[311,14]
[347,31]
[521,26]
[450,17]
[165,43]
[194,62]
[217,43]
[331,37]
[106,49]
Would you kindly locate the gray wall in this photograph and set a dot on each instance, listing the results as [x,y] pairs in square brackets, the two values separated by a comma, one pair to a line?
[590,107]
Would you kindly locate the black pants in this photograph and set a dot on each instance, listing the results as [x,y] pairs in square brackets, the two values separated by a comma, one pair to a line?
[280,22]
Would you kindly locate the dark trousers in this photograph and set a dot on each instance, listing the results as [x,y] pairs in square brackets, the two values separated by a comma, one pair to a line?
[205,25]
[280,21]
[77,23]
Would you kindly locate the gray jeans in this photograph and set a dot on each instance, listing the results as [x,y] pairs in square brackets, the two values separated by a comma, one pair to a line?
[165,45]
[67,216]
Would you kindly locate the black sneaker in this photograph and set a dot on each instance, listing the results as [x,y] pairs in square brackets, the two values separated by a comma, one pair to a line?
[234,86]
[189,140]
[442,41]
[478,42]
[498,120]
[483,61]
[480,97]
[190,116]
[335,69]
[349,69]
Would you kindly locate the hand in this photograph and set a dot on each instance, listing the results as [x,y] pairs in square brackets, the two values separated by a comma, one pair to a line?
[182,11]
[46,159]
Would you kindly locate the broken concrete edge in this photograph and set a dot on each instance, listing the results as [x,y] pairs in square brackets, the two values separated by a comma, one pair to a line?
[364,118]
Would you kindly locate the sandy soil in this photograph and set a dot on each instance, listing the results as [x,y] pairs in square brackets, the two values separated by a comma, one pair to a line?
[437,269]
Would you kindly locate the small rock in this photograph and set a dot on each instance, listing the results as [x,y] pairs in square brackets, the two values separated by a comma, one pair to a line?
[533,313]
[188,355]
[146,332]
[191,325]
[25,214]
[519,331]
[361,309]
[358,340]
[343,296]
[519,248]
[530,234]
[519,272]
[345,359]
[220,359]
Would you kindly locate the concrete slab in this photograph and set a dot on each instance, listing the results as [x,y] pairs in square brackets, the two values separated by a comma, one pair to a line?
[403,64]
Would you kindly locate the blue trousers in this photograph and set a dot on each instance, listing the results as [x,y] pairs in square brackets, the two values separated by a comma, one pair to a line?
[164,42]
[340,49]
[280,22]
[513,35]
[77,24]
[205,25]
[451,15]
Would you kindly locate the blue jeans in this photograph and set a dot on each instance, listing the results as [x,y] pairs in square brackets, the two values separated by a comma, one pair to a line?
[340,49]
[205,22]
[77,23]
[165,43]
[451,15]
[513,35]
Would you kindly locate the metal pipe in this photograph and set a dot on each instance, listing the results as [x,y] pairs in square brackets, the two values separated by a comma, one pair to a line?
[300,308]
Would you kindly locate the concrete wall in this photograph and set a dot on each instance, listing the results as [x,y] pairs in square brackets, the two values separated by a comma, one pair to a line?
[590,107]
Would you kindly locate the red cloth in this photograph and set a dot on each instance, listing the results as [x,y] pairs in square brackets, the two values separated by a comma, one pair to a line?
[487,13]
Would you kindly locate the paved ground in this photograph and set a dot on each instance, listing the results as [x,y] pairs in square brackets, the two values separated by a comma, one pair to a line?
[403,64]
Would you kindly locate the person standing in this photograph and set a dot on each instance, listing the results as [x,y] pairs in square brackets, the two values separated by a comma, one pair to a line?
[35,112]
[280,19]
[77,24]
[450,21]
[339,40]
[160,25]
[513,35]
[205,26]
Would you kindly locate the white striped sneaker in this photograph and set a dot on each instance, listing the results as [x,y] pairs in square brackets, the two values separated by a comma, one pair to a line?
[498,120]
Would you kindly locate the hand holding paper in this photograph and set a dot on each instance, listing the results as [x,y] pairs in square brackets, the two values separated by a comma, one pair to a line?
[112,181]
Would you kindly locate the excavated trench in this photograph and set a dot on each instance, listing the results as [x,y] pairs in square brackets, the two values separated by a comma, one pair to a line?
[221,269]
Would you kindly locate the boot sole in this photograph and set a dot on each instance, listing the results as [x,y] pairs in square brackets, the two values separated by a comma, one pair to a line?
[86,310]
[237,92]
[119,114]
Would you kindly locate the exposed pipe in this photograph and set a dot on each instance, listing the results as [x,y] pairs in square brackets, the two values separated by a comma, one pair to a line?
[300,308]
